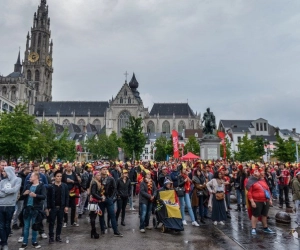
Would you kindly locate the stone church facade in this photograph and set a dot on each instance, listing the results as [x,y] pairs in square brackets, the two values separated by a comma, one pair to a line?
[31,83]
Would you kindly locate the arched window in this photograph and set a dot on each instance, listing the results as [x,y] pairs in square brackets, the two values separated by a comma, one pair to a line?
[13,93]
[39,39]
[129,100]
[4,91]
[81,124]
[192,125]
[121,100]
[51,121]
[37,75]
[123,120]
[66,123]
[29,75]
[181,126]
[150,127]
[36,121]
[166,127]
[97,124]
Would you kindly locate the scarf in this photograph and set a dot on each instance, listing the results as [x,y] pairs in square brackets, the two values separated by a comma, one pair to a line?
[187,184]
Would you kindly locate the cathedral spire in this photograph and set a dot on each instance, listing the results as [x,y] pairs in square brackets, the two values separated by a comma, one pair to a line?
[18,65]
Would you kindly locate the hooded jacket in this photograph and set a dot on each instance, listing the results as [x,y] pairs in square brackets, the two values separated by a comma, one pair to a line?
[9,188]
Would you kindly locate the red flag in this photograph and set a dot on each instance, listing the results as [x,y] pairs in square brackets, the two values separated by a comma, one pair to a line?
[175,144]
[222,136]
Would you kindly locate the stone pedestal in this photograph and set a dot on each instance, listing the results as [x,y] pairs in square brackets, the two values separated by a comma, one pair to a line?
[210,147]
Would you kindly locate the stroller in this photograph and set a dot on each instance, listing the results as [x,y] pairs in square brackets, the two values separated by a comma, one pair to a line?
[167,212]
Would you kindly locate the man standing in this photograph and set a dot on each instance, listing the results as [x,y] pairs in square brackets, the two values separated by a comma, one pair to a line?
[123,192]
[34,196]
[23,174]
[133,179]
[3,164]
[57,203]
[283,176]
[163,175]
[260,203]
[70,178]
[108,191]
[9,190]
[84,185]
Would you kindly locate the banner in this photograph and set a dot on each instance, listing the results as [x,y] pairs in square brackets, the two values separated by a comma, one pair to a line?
[223,142]
[175,144]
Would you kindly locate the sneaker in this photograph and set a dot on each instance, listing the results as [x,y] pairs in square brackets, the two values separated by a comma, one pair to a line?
[75,224]
[118,234]
[58,239]
[253,231]
[65,225]
[215,223]
[195,223]
[36,245]
[268,231]
[288,206]
[222,223]
[148,227]
[20,240]
[142,230]
[184,222]
[51,240]
[44,236]
[23,247]
[15,227]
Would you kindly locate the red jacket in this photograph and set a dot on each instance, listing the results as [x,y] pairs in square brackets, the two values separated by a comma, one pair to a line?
[256,191]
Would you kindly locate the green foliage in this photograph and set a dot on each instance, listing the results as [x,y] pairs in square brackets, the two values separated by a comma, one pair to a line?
[16,132]
[285,150]
[259,147]
[246,150]
[65,149]
[192,145]
[133,138]
[228,149]
[105,146]
[163,147]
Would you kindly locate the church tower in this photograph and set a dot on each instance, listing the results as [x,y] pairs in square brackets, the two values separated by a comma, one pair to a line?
[37,65]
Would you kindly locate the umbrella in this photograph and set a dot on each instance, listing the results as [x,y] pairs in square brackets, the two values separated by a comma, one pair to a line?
[190,156]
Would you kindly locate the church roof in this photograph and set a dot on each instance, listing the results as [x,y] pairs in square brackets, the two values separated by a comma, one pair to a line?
[15,75]
[133,84]
[237,123]
[168,109]
[66,108]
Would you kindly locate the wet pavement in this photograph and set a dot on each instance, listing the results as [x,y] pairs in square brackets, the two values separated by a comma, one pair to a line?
[234,235]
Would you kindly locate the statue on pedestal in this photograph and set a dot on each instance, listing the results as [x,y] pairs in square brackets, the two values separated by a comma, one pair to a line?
[209,120]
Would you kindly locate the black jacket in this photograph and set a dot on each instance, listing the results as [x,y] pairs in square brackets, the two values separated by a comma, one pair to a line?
[109,186]
[23,178]
[161,179]
[132,175]
[123,189]
[70,185]
[180,181]
[38,201]
[144,197]
[64,196]
[95,192]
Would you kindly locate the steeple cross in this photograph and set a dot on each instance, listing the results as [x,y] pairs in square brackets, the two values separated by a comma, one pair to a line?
[126,74]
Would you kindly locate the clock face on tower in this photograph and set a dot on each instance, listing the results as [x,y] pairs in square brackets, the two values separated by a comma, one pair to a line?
[33,57]
[49,61]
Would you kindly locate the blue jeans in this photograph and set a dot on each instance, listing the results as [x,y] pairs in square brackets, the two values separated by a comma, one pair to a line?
[275,191]
[6,214]
[145,214]
[27,222]
[109,205]
[185,200]
[240,193]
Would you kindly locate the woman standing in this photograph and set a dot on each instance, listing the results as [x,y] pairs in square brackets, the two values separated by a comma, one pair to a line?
[198,195]
[217,201]
[96,197]
[185,182]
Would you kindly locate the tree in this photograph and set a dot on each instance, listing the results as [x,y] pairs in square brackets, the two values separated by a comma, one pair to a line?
[192,145]
[228,149]
[65,148]
[16,132]
[133,138]
[285,150]
[259,147]
[164,147]
[246,149]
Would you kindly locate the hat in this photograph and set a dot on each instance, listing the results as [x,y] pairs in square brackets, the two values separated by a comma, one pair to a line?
[125,171]
[221,168]
[164,167]
[240,167]
[167,180]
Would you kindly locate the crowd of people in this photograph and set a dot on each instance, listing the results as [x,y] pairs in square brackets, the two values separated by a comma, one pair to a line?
[60,193]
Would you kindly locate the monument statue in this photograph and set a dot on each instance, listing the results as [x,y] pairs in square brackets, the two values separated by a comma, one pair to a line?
[209,120]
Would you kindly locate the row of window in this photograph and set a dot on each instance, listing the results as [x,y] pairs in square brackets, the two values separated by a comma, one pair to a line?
[166,127]
[5,107]
[124,100]
[36,75]
[5,93]
[261,126]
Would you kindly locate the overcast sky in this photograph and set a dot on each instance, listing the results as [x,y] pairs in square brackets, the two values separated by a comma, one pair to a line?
[238,57]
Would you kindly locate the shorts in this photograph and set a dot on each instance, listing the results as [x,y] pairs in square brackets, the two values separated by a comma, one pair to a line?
[262,209]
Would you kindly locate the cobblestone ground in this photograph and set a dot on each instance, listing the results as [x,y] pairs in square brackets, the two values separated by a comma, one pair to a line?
[235,234]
